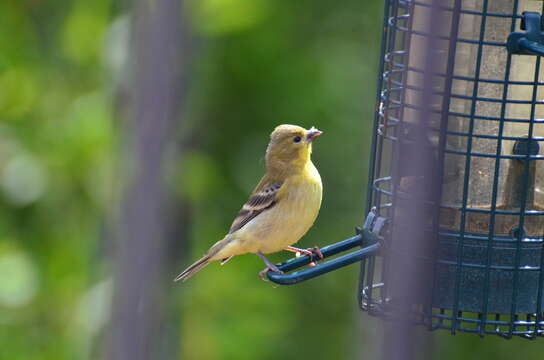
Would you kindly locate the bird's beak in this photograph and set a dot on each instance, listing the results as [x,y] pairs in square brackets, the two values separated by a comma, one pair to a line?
[312,133]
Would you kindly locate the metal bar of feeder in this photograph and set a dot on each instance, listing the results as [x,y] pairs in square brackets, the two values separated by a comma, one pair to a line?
[524,201]
[403,38]
[408,277]
[319,269]
[468,164]
[531,46]
[443,133]
[466,11]
[375,139]
[364,237]
[495,189]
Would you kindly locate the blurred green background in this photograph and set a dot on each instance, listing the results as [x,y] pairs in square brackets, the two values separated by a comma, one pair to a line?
[255,64]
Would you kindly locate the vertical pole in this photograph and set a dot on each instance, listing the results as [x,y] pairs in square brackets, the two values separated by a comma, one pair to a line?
[417,190]
[141,229]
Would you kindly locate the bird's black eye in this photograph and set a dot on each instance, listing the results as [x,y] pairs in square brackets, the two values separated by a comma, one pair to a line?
[297,139]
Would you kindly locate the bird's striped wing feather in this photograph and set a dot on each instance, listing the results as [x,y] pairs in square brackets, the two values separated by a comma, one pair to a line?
[257,203]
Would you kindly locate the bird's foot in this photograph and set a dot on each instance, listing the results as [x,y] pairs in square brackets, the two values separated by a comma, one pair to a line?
[274,268]
[269,266]
[310,251]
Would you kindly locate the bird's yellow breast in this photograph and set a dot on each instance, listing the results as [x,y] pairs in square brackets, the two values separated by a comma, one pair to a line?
[284,224]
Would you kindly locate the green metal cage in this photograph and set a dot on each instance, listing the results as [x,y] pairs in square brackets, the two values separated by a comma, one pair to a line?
[489,252]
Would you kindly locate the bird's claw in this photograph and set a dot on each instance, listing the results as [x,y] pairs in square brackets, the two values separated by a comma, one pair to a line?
[313,251]
[262,273]
[317,251]
[310,252]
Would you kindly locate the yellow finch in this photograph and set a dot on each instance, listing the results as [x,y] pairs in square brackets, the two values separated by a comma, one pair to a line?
[281,209]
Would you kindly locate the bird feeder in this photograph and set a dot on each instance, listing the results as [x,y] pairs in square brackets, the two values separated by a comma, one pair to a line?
[486,121]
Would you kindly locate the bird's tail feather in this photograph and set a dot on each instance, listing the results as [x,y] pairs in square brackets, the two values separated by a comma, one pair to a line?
[191,270]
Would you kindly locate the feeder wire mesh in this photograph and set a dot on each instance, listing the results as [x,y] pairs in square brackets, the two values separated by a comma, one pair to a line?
[485,108]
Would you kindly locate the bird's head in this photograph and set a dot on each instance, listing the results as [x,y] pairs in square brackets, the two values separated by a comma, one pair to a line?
[290,146]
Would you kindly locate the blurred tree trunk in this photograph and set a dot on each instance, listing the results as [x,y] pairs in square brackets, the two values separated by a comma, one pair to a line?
[144,226]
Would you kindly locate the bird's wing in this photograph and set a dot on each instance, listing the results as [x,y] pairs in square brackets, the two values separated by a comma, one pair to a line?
[262,199]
